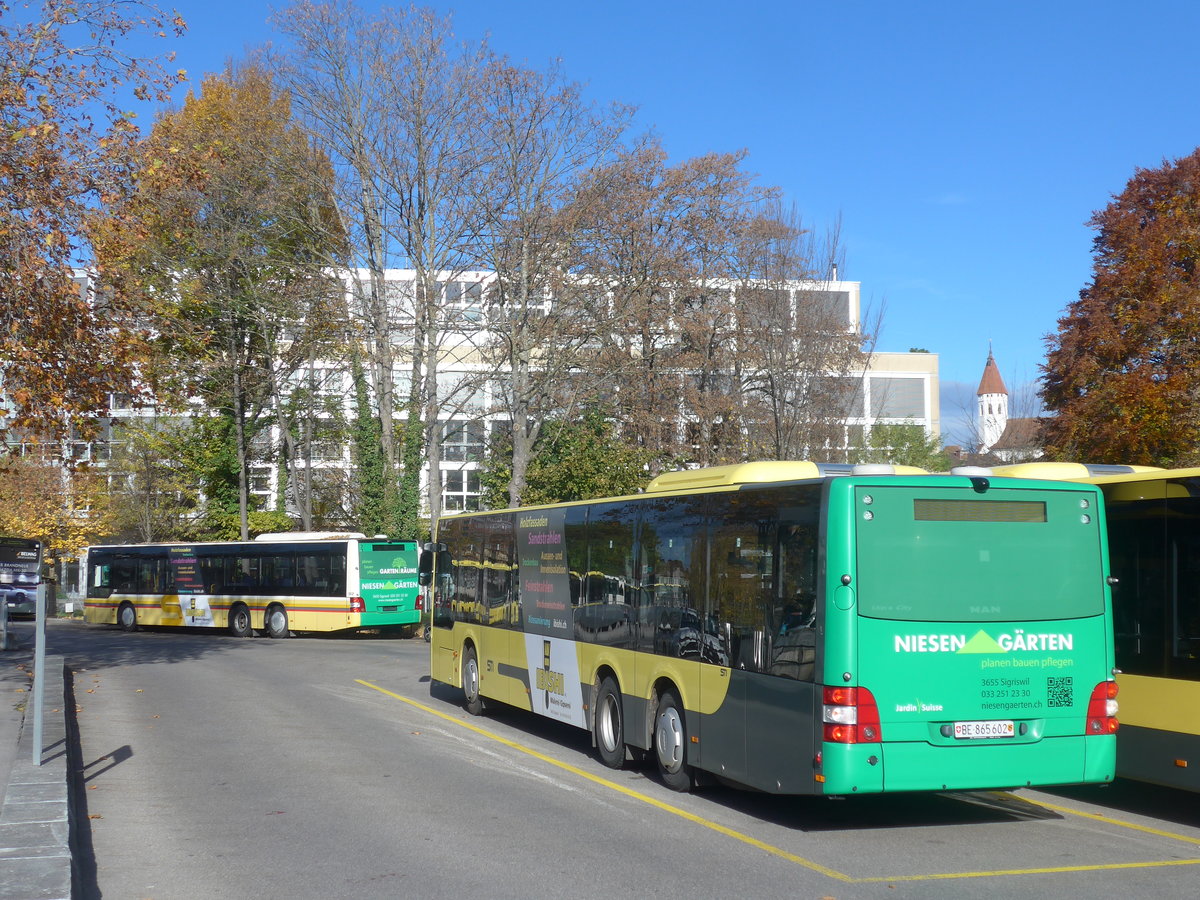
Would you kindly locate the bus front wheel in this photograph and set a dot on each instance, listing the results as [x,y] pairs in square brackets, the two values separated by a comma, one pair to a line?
[277,622]
[670,744]
[470,681]
[127,617]
[239,621]
[610,730]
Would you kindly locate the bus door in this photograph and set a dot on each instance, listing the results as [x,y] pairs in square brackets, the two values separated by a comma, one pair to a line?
[764,555]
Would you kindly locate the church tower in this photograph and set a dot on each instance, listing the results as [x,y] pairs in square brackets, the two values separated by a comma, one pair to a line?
[993,405]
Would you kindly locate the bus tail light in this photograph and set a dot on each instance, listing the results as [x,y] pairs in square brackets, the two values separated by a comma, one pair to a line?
[1102,709]
[419,603]
[357,605]
[850,716]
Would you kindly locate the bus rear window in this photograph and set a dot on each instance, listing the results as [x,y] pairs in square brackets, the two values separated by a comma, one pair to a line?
[989,557]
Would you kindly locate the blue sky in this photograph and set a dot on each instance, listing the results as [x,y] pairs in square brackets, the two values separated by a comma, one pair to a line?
[963,145]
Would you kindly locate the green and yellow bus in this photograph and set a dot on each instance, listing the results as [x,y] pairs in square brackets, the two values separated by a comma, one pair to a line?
[277,584]
[796,627]
[1154,546]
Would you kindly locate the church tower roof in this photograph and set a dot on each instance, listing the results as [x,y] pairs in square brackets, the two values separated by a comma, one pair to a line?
[991,382]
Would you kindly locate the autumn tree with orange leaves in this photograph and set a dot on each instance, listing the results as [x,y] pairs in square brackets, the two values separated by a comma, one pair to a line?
[230,235]
[65,511]
[1122,372]
[65,149]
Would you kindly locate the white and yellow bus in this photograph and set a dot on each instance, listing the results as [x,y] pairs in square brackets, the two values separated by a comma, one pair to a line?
[276,584]
[1154,548]
[794,632]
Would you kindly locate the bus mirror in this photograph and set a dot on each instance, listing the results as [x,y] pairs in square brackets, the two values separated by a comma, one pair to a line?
[425,567]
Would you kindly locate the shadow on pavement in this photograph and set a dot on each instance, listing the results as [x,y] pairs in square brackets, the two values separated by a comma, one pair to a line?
[865,813]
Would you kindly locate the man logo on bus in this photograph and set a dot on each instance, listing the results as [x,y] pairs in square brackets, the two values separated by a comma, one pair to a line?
[983,642]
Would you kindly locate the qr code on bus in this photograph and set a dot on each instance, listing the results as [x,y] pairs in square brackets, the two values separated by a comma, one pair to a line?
[1058,691]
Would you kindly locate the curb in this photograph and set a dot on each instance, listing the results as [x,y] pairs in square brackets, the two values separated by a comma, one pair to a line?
[35,840]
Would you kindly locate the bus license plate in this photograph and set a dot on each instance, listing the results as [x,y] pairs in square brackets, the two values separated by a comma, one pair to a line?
[994,728]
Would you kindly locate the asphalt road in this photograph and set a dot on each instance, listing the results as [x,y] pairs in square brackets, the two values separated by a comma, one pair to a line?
[326,767]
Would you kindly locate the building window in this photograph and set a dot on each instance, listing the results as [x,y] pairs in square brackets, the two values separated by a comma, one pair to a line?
[463,441]
[460,490]
[898,398]
[260,480]
[823,308]
[466,298]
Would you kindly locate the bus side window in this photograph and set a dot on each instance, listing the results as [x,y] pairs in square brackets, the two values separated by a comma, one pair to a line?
[124,575]
[278,575]
[337,574]
[151,575]
[212,575]
[607,593]
[673,553]
[575,537]
[793,650]
[764,564]
[100,585]
[498,567]
[743,537]
[241,575]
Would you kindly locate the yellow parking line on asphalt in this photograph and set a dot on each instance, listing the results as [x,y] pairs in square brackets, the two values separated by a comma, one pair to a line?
[1098,818]
[791,857]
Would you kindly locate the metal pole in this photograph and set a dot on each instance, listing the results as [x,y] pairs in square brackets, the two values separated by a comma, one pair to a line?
[39,666]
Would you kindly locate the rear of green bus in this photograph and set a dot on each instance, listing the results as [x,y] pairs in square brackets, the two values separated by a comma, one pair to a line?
[388,594]
[968,638]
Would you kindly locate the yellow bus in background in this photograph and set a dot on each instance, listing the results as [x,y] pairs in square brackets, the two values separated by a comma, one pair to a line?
[1154,549]
[277,584]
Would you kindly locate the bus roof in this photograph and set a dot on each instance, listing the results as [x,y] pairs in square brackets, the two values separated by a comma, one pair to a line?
[1071,471]
[1145,473]
[767,471]
[279,536]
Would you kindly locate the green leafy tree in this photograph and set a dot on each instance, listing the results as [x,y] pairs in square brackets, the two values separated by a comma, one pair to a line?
[154,493]
[1122,372]
[572,460]
[366,452]
[902,445]
[206,450]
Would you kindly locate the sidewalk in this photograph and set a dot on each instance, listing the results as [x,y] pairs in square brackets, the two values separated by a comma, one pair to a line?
[35,851]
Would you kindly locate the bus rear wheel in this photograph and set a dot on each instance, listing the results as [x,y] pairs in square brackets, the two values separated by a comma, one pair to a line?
[239,621]
[610,725]
[670,744]
[277,622]
[127,617]
[470,681]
